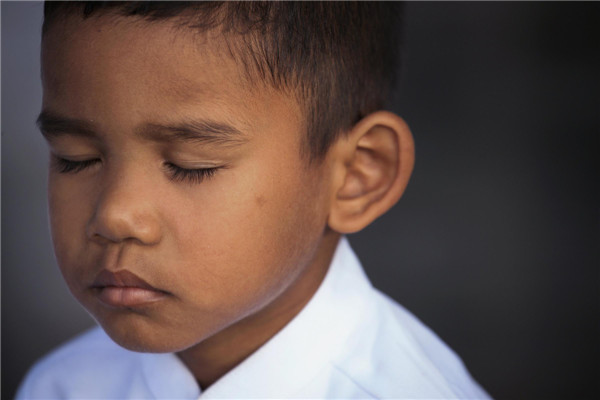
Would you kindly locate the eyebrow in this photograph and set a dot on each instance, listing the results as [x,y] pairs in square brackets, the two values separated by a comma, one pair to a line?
[195,131]
[52,125]
[204,131]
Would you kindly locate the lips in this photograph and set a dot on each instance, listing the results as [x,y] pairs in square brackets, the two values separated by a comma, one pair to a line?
[124,289]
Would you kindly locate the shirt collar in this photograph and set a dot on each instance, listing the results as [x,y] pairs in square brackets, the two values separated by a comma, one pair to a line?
[167,377]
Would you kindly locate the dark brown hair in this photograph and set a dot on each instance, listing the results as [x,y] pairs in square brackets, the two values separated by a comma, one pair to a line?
[339,58]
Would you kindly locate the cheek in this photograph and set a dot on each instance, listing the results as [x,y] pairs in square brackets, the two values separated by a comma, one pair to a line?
[248,233]
[67,207]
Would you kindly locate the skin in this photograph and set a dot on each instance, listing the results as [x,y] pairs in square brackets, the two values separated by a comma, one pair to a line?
[238,253]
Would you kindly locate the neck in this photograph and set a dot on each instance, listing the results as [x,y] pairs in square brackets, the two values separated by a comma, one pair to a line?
[214,357]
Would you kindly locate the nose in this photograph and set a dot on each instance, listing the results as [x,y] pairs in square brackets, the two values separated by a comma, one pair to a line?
[126,210]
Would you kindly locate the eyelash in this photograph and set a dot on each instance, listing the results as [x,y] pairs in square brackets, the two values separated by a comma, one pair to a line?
[178,174]
[67,166]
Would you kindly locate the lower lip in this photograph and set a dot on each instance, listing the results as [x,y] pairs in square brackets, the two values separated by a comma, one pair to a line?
[114,296]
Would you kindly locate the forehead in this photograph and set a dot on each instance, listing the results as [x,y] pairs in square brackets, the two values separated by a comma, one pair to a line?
[109,49]
[146,69]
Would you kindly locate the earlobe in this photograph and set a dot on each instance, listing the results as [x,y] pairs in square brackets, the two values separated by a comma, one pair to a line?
[376,162]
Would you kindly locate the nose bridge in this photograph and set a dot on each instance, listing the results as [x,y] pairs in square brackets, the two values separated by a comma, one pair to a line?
[126,207]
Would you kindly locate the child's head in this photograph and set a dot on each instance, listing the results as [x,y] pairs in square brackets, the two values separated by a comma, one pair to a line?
[215,151]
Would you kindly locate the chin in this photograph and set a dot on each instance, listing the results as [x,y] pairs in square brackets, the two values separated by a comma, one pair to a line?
[138,335]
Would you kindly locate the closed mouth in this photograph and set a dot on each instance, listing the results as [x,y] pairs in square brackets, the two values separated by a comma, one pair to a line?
[124,289]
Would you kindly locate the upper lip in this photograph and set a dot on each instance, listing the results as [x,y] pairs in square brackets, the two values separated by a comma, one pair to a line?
[122,278]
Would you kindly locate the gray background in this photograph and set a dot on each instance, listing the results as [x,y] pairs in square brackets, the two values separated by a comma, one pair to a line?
[494,245]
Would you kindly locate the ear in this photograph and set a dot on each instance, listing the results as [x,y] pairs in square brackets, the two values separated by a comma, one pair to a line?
[372,167]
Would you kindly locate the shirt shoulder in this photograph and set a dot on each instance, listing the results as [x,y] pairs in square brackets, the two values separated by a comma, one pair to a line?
[394,355]
[90,365]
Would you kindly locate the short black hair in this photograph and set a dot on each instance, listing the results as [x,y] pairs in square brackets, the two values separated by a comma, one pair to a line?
[339,58]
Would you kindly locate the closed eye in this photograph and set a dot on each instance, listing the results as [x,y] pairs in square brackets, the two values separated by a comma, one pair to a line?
[179,174]
[65,166]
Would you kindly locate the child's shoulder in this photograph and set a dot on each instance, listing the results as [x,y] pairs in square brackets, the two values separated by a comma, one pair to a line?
[396,355]
[87,350]
[91,365]
[78,365]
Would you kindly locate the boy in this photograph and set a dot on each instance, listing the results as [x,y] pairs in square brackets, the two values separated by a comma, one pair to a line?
[206,161]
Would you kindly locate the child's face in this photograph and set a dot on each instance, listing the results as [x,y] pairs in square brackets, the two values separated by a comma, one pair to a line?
[219,245]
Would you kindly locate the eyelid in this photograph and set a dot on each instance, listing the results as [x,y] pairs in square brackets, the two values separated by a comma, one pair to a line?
[67,165]
[195,164]
[191,175]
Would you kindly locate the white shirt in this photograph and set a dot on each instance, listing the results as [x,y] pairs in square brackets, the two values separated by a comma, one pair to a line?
[349,341]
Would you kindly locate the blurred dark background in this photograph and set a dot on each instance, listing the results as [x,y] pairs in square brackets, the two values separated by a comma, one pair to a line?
[495,243]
